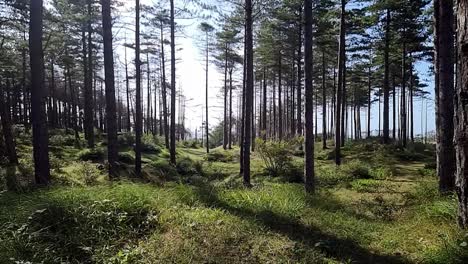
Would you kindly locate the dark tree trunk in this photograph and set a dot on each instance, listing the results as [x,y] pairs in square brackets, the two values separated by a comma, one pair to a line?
[299,79]
[403,94]
[309,173]
[173,87]
[230,109]
[138,110]
[88,96]
[324,103]
[445,89]
[264,112]
[280,101]
[339,100]
[8,137]
[112,148]
[127,84]
[225,124]
[461,118]
[207,127]
[386,86]
[164,90]
[38,96]
[369,101]
[249,89]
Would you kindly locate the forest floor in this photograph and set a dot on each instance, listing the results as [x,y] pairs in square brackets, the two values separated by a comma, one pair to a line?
[381,206]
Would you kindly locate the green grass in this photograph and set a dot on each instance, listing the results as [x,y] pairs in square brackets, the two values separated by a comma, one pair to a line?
[377,208]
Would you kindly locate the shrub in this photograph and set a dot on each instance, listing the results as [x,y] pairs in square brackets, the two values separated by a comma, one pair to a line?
[127,158]
[164,169]
[219,156]
[185,166]
[94,155]
[366,185]
[276,156]
[62,140]
[126,139]
[356,169]
[150,148]
[381,173]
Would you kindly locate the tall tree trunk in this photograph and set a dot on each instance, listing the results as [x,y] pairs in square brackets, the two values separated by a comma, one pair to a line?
[173,87]
[386,86]
[324,103]
[339,100]
[164,90]
[88,97]
[403,94]
[112,148]
[225,124]
[38,96]
[249,89]
[309,178]
[461,101]
[369,101]
[264,112]
[207,127]
[280,101]
[230,108]
[8,137]
[127,84]
[445,91]
[299,78]
[139,117]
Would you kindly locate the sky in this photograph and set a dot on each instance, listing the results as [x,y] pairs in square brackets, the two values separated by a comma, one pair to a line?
[190,73]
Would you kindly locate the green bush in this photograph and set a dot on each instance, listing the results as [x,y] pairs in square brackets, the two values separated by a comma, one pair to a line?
[126,139]
[219,156]
[381,173]
[276,156]
[185,166]
[62,140]
[164,169]
[94,155]
[79,233]
[127,158]
[356,169]
[150,148]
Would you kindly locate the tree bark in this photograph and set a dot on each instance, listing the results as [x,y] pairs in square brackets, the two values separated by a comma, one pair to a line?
[386,86]
[112,148]
[248,90]
[173,88]
[309,179]
[38,96]
[461,118]
[139,117]
[339,100]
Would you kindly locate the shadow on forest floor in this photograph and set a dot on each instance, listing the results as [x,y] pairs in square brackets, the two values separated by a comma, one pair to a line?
[341,249]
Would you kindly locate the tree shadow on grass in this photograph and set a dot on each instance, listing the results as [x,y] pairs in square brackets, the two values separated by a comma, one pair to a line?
[309,236]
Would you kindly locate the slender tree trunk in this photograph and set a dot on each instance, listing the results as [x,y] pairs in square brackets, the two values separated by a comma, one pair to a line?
[38,96]
[88,97]
[230,109]
[445,93]
[8,137]
[264,112]
[403,94]
[299,79]
[324,103]
[280,101]
[173,88]
[386,88]
[309,179]
[207,127]
[369,102]
[127,83]
[249,89]
[339,100]
[112,148]
[139,117]
[164,90]
[225,122]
